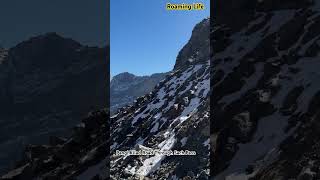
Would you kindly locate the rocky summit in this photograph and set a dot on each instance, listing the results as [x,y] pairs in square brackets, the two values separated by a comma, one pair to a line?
[196,50]
[126,87]
[266,89]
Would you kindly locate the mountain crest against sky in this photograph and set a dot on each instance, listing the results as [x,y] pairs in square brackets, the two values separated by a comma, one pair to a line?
[122,77]
[197,48]
[49,51]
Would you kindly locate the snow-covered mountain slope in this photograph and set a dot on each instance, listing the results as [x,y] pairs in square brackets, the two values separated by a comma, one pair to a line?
[126,87]
[173,117]
[265,122]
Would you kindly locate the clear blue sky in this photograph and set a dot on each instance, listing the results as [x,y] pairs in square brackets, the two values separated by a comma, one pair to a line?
[85,21]
[145,38]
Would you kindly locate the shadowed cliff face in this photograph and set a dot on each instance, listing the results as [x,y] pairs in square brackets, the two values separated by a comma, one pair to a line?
[266,91]
[47,83]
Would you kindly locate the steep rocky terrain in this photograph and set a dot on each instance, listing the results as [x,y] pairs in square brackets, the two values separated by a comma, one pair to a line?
[82,156]
[265,80]
[47,83]
[173,117]
[126,87]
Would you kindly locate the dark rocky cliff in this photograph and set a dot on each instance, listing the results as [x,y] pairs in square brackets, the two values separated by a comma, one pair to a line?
[265,90]
[46,84]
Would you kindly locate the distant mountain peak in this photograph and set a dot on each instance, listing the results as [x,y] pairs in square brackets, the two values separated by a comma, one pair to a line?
[125,87]
[51,39]
[124,76]
[47,51]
